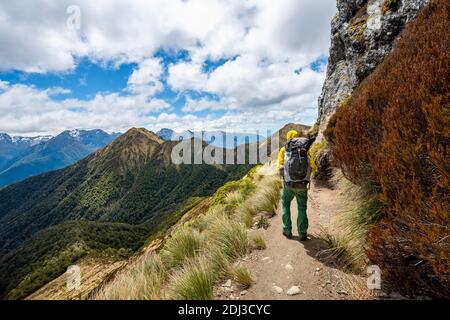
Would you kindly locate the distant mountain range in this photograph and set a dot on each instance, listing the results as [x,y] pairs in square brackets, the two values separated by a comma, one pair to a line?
[24,157]
[219,139]
[12,147]
[110,203]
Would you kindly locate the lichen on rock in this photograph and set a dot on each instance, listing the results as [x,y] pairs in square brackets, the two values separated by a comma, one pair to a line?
[363,32]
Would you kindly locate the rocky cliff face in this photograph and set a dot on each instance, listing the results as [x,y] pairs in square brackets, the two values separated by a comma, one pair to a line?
[363,32]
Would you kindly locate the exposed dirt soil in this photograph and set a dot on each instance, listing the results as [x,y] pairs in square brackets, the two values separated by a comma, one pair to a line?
[291,265]
[93,272]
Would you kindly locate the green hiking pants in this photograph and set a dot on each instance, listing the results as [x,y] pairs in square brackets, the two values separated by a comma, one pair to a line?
[301,195]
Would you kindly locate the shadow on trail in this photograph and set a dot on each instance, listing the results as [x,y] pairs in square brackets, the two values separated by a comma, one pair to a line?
[318,249]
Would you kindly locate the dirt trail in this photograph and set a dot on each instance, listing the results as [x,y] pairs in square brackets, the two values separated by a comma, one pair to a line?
[287,263]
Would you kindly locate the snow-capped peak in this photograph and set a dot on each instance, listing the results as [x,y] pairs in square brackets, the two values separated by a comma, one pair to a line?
[74,133]
[32,141]
[4,136]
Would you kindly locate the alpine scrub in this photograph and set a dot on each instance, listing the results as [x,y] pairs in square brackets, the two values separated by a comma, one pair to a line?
[394,133]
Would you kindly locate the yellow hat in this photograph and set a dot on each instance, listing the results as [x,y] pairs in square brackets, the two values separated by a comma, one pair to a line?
[292,134]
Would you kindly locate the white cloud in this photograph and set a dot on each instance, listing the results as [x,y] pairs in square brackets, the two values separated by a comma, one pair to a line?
[158,105]
[3,85]
[268,41]
[246,83]
[197,105]
[57,91]
[149,71]
[186,75]
[25,110]
[34,35]
[146,78]
[254,84]
[28,110]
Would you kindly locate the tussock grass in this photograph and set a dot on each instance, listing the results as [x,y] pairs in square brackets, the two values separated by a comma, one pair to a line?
[356,223]
[257,241]
[356,287]
[232,201]
[244,187]
[245,216]
[143,282]
[242,276]
[262,202]
[230,236]
[183,245]
[192,282]
[220,264]
[366,212]
[246,210]
[343,248]
[247,188]
[350,243]
[266,198]
[203,222]
[202,252]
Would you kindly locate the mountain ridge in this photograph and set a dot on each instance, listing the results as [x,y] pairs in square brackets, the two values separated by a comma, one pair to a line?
[232,139]
[57,152]
[130,185]
[13,146]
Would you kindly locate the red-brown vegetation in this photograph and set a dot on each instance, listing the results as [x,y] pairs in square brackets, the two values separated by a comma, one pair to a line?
[394,132]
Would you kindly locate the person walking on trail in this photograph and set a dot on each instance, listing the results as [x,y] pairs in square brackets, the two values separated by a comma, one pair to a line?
[294,167]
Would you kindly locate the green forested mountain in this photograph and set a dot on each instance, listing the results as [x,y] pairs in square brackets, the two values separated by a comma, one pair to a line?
[109,202]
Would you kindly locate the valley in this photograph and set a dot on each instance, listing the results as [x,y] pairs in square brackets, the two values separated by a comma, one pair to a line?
[110,202]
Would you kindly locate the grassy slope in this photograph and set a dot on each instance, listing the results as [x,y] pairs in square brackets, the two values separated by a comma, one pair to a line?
[201,250]
[122,193]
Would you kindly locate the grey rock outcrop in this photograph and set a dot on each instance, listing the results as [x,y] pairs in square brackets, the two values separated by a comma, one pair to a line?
[363,32]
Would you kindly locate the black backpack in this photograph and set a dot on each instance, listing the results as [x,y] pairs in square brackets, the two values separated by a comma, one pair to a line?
[296,163]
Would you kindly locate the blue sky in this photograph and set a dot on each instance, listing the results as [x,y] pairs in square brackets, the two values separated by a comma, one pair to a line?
[199,65]
[84,82]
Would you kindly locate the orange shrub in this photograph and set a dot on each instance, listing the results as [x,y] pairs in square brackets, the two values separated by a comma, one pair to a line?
[394,132]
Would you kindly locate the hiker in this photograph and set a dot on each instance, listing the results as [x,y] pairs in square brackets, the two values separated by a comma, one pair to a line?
[293,166]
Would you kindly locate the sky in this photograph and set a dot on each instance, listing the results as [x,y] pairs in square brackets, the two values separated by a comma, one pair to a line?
[237,65]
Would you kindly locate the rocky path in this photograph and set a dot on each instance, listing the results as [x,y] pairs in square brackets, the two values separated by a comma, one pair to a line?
[294,270]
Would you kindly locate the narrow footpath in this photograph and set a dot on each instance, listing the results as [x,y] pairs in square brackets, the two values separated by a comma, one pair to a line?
[294,270]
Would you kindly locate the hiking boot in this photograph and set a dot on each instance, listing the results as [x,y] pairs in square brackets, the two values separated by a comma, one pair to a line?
[303,237]
[287,235]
